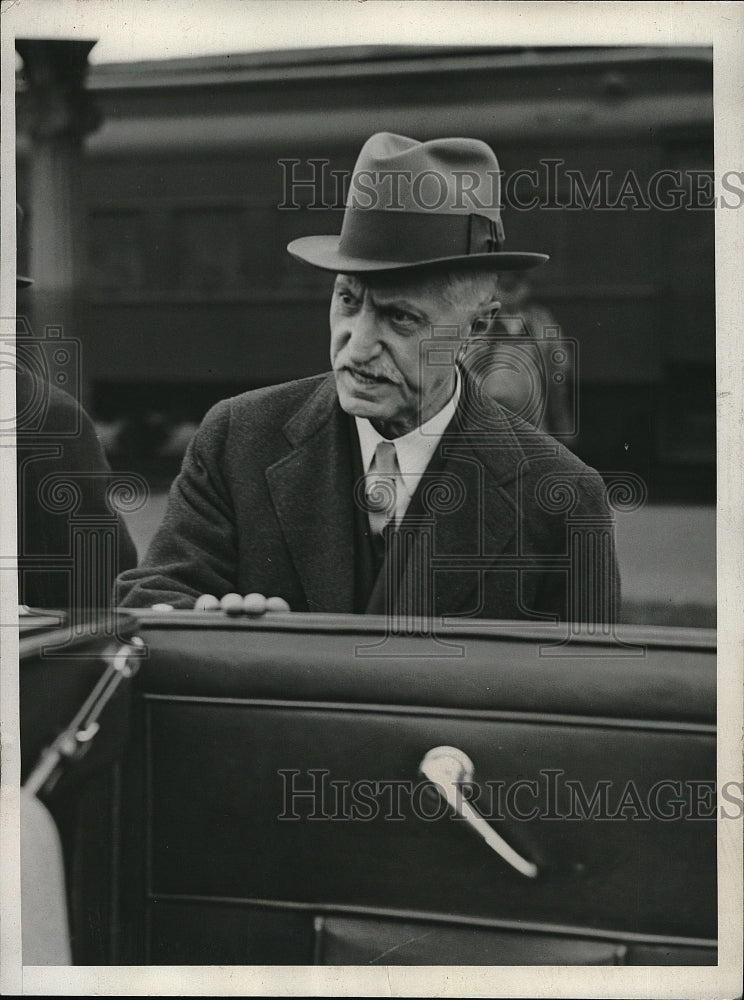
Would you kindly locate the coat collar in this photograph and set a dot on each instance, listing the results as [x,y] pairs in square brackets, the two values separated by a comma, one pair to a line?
[311,489]
[315,413]
[488,430]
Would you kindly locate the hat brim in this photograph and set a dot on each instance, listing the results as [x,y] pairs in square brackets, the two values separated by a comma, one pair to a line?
[323,252]
[23,282]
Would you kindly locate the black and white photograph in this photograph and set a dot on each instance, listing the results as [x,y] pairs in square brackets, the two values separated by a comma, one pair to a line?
[371,532]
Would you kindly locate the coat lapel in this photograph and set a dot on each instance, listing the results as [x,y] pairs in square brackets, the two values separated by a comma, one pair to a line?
[312,491]
[477,464]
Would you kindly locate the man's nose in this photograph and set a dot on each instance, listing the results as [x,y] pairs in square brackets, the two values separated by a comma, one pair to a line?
[364,341]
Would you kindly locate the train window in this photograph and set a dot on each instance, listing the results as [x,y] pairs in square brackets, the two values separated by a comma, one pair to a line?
[117,262]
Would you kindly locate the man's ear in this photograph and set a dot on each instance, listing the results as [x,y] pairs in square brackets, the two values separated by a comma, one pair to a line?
[484,317]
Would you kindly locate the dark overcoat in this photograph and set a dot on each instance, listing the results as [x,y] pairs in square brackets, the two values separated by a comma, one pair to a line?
[515,525]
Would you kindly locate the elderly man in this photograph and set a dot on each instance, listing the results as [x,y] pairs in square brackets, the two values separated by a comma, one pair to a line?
[391,484]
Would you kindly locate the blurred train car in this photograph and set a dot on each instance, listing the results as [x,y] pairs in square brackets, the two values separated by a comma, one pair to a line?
[197,180]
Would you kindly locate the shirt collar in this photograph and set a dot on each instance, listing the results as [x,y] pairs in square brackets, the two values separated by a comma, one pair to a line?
[414,449]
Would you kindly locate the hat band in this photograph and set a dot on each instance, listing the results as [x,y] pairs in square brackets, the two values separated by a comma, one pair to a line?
[408,237]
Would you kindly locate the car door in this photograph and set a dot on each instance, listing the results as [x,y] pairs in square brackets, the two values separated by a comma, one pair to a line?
[281,805]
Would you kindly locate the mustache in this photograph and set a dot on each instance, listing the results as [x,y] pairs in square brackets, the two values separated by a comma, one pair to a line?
[384,373]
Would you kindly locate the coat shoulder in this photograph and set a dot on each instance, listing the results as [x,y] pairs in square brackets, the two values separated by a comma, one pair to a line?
[553,463]
[255,422]
[261,411]
[274,401]
[535,441]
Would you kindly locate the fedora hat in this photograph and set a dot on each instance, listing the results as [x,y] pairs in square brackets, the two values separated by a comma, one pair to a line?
[21,281]
[418,204]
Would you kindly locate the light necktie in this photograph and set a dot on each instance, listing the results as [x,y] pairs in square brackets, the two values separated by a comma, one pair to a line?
[382,487]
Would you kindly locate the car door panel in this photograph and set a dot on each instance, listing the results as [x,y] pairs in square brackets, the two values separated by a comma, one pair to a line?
[241,722]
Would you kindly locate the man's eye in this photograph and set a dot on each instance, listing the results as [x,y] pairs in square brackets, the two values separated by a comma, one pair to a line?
[401,318]
[346,299]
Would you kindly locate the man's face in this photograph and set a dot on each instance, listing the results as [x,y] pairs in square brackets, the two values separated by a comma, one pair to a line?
[376,331]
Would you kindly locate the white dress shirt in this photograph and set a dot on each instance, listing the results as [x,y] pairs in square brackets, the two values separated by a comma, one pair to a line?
[414,450]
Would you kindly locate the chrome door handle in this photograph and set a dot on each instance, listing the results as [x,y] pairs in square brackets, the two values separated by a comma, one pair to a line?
[448,767]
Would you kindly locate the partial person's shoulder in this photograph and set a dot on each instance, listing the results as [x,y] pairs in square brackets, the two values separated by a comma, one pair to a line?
[45,408]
